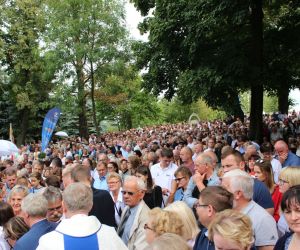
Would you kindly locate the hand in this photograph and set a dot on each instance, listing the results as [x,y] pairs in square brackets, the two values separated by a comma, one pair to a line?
[199,178]
[165,191]
[282,157]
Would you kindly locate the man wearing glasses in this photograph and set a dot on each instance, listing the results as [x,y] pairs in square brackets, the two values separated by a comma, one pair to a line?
[213,199]
[135,214]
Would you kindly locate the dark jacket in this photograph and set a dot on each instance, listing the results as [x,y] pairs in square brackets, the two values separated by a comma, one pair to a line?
[281,242]
[103,207]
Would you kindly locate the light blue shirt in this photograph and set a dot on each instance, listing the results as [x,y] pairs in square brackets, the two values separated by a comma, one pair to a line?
[100,183]
[129,223]
[188,199]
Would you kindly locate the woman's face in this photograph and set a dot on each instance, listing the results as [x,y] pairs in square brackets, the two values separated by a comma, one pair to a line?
[292,216]
[224,244]
[142,177]
[15,202]
[150,233]
[181,180]
[110,168]
[283,185]
[251,163]
[259,174]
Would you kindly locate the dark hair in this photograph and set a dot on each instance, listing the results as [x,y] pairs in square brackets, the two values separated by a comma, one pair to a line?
[15,228]
[167,152]
[116,167]
[53,180]
[266,148]
[57,162]
[6,212]
[218,197]
[266,168]
[146,172]
[36,175]
[290,197]
[184,171]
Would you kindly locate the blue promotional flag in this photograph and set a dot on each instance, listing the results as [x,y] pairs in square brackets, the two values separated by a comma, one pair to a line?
[49,124]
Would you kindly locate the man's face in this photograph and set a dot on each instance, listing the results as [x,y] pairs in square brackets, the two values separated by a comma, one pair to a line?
[200,167]
[131,194]
[229,163]
[198,148]
[54,211]
[102,170]
[11,181]
[165,161]
[184,155]
[211,143]
[37,168]
[86,163]
[202,212]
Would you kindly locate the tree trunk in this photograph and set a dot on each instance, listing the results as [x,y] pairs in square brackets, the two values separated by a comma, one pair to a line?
[23,126]
[237,110]
[93,100]
[283,98]
[256,62]
[83,128]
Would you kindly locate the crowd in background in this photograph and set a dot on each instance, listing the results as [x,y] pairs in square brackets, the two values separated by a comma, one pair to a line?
[203,185]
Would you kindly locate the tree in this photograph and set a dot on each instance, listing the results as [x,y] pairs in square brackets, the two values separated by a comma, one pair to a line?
[85,35]
[209,49]
[28,79]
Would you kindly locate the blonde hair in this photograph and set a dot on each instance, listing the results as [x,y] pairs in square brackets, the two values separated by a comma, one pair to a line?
[169,241]
[165,222]
[190,227]
[290,174]
[233,226]
[114,175]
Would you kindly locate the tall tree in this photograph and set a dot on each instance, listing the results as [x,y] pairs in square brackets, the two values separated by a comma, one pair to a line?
[28,78]
[86,35]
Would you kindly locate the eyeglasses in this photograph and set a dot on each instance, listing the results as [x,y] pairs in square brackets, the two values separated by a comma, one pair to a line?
[281,182]
[127,192]
[199,205]
[112,182]
[260,161]
[179,179]
[147,227]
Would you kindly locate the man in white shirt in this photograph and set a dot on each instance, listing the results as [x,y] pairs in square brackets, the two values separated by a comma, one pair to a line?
[163,174]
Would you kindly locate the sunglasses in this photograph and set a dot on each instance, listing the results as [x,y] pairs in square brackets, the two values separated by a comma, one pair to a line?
[179,179]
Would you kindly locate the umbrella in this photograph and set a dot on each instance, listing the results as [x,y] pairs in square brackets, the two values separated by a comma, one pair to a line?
[7,148]
[61,134]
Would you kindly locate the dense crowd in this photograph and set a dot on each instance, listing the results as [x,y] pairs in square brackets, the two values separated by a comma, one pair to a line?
[204,185]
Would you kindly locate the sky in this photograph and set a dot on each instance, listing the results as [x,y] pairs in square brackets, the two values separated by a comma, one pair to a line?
[133,18]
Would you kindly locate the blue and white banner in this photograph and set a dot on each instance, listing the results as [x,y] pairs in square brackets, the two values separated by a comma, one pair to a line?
[49,124]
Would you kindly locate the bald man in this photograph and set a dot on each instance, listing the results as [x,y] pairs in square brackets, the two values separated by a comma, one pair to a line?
[286,157]
[186,155]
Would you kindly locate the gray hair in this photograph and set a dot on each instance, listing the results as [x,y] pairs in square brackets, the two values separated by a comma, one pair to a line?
[18,189]
[35,205]
[206,159]
[140,183]
[78,197]
[240,181]
[52,194]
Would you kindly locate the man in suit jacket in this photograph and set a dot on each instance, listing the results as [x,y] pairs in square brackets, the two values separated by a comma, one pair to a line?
[135,215]
[34,210]
[103,205]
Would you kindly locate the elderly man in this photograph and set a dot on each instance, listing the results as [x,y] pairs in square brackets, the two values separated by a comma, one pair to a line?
[286,157]
[205,175]
[135,214]
[240,184]
[34,210]
[78,230]
[100,181]
[54,198]
[198,149]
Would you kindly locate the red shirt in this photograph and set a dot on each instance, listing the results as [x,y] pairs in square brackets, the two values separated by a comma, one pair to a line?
[276,197]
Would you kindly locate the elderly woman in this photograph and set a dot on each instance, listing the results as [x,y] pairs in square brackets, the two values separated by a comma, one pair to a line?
[162,221]
[16,196]
[114,182]
[231,230]
[190,226]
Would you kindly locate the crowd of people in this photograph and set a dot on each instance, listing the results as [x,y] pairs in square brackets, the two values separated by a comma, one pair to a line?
[182,186]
